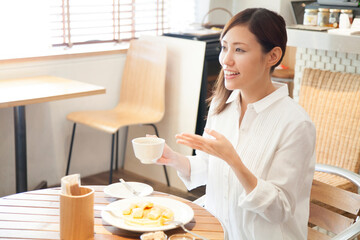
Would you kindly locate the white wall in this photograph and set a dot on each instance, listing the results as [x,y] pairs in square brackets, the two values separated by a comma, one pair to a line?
[48,131]
[182,88]
[219,16]
[283,7]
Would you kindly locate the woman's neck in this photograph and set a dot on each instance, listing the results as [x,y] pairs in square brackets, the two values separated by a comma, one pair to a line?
[256,93]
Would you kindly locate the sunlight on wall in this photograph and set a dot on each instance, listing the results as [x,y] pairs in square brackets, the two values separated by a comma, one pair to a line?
[182,14]
[24,26]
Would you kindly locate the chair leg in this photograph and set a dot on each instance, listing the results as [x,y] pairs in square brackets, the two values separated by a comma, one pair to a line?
[166,176]
[165,170]
[117,151]
[112,158]
[155,128]
[126,130]
[70,150]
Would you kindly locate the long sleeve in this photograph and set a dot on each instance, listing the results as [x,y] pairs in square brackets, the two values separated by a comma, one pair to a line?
[289,178]
[276,141]
[198,172]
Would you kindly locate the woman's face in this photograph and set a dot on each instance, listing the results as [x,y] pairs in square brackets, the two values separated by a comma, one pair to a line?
[243,60]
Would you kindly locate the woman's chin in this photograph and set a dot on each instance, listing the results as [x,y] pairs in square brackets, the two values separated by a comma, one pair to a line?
[230,86]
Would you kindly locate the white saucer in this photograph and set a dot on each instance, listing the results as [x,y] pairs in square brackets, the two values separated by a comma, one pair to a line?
[118,190]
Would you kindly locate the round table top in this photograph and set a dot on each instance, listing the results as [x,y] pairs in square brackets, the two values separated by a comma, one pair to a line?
[35,215]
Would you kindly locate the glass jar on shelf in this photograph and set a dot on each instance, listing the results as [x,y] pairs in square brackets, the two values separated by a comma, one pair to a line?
[310,17]
[334,18]
[323,17]
[346,18]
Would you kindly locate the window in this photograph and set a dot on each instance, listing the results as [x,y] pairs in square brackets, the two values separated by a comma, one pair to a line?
[98,21]
[39,27]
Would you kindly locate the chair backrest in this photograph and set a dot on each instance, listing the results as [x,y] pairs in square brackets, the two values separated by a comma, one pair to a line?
[333,209]
[332,99]
[143,80]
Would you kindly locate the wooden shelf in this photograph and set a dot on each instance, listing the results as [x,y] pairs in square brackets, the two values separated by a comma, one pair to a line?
[323,41]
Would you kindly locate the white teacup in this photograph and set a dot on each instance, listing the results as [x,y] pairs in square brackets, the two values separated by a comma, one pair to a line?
[148,149]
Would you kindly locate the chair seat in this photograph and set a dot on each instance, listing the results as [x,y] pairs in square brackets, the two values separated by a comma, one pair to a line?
[112,120]
[141,101]
[335,181]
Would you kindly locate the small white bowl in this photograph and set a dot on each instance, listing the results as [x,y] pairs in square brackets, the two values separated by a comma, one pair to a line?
[150,235]
[148,149]
[181,236]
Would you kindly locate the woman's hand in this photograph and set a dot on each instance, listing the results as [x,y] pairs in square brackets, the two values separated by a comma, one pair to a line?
[174,159]
[218,146]
[168,157]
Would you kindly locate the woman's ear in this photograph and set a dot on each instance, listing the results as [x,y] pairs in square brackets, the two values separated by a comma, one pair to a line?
[274,56]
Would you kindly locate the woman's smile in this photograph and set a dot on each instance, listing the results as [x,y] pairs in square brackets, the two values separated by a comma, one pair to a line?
[229,74]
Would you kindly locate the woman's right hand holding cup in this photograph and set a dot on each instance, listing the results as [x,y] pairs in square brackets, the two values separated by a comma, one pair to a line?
[173,159]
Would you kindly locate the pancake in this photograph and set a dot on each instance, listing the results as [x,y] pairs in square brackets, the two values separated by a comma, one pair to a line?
[147,214]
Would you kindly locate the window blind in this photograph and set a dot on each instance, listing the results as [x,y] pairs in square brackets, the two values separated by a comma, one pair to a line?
[98,21]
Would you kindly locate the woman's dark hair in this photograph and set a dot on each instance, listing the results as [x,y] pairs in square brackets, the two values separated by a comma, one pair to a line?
[269,29]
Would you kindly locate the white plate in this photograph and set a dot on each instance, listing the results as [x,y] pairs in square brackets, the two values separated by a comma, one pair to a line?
[118,190]
[182,212]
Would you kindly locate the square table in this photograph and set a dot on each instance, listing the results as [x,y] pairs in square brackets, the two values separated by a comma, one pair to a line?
[19,92]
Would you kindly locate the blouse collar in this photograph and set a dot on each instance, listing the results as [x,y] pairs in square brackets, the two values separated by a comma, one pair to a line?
[280,92]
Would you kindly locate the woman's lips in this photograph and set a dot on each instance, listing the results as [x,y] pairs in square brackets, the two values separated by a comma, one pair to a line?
[230,74]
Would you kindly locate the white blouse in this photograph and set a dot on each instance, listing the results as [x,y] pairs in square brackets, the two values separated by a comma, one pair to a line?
[276,142]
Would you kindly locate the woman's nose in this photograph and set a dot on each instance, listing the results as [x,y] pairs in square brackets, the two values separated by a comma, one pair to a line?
[227,59]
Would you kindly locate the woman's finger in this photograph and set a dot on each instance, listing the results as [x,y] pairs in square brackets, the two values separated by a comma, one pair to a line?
[191,144]
[198,146]
[198,143]
[162,161]
[190,135]
[193,138]
[213,133]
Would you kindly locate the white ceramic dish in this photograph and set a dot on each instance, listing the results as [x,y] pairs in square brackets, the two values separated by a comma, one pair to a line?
[182,212]
[118,190]
[148,149]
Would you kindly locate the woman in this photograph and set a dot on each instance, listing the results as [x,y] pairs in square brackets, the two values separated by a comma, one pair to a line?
[256,155]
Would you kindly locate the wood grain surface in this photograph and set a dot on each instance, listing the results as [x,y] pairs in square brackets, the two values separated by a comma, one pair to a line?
[30,90]
[35,215]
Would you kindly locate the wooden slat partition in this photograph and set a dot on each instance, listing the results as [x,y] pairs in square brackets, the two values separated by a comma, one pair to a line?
[336,197]
[329,220]
[316,235]
[332,209]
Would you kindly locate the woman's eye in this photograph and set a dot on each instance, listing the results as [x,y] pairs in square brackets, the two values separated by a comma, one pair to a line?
[223,47]
[239,50]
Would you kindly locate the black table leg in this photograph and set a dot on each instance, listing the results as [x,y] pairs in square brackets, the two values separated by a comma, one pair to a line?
[20,149]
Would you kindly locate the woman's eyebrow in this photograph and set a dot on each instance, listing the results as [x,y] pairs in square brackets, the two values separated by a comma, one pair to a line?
[239,43]
[234,43]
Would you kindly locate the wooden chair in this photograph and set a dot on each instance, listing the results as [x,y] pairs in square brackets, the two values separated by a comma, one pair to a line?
[142,98]
[332,99]
[325,221]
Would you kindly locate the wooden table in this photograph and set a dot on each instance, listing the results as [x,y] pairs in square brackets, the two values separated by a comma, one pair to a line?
[35,215]
[19,92]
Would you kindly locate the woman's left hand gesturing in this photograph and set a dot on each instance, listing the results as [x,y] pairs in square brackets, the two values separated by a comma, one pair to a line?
[217,146]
